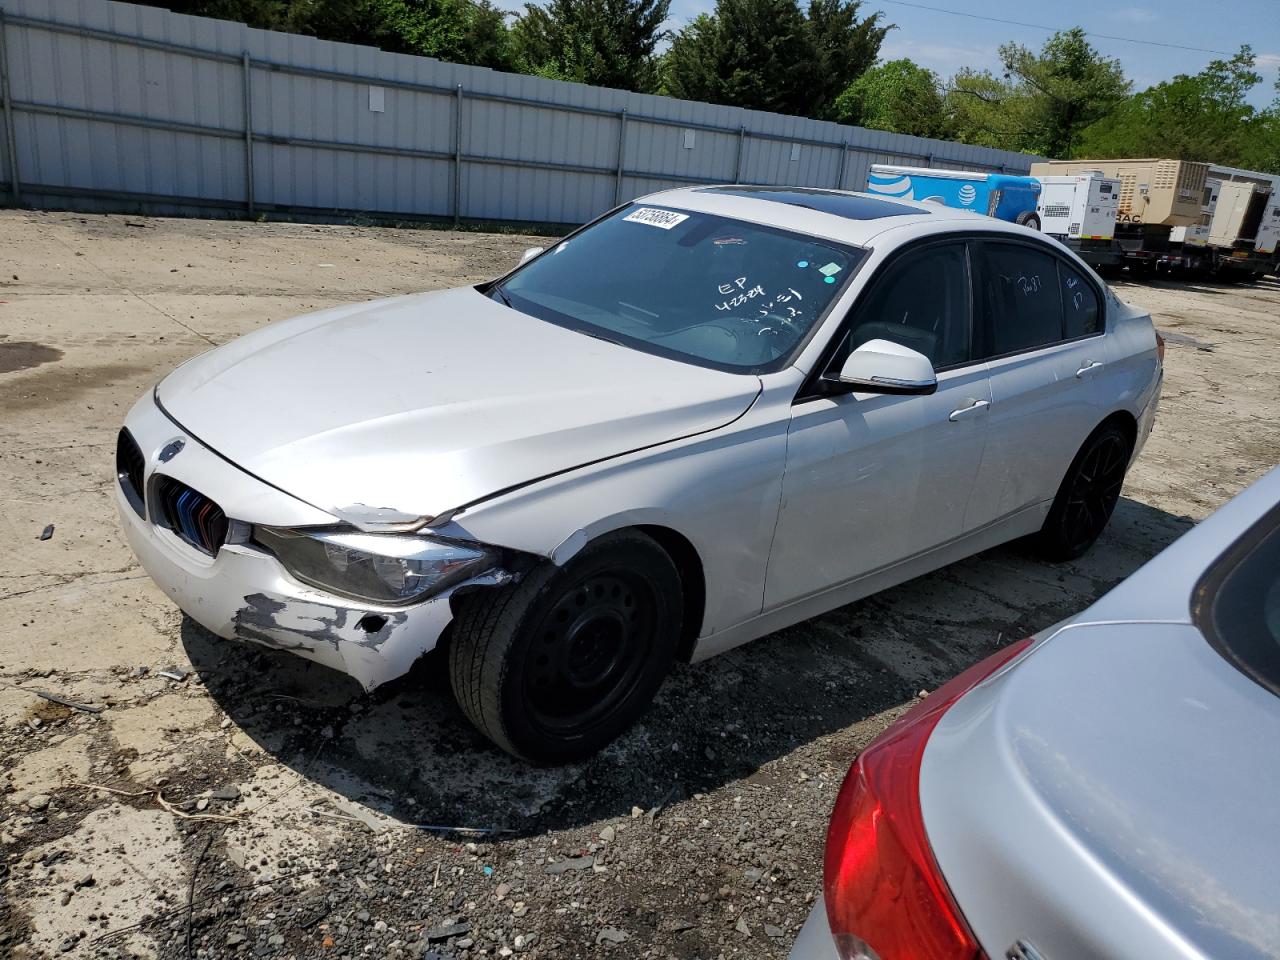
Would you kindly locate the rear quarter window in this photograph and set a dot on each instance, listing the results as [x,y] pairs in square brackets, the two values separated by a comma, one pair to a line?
[1237,603]
[1081,311]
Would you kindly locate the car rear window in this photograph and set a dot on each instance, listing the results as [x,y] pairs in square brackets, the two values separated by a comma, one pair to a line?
[1237,603]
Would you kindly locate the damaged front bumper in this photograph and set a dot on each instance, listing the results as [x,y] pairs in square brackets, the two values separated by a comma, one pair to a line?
[242,592]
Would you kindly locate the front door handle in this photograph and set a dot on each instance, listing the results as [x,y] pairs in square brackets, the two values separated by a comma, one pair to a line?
[974,408]
[1089,367]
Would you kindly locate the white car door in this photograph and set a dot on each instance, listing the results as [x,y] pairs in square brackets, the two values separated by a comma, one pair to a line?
[875,478]
[1041,330]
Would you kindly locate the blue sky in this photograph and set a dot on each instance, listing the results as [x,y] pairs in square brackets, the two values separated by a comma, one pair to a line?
[944,43]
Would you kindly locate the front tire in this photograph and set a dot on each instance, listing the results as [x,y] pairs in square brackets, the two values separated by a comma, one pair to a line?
[556,666]
[1087,496]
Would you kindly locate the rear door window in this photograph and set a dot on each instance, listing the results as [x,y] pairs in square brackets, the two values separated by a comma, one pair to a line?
[1021,297]
[1031,298]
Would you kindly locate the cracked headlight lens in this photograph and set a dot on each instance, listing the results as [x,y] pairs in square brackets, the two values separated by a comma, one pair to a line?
[383,568]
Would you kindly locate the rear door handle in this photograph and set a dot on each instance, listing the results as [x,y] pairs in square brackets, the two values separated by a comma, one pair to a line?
[976,407]
[1089,367]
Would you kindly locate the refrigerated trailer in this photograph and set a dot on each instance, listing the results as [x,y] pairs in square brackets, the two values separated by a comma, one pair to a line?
[1081,212]
[1000,195]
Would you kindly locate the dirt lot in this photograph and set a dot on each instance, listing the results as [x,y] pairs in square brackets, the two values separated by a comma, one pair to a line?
[697,835]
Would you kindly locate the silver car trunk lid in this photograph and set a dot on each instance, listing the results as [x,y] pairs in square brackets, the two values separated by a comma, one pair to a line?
[421,404]
[1113,795]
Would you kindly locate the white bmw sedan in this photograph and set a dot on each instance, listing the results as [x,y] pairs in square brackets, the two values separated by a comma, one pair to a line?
[705,416]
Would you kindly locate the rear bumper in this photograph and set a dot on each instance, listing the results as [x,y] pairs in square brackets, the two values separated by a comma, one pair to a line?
[243,592]
[1147,420]
[815,941]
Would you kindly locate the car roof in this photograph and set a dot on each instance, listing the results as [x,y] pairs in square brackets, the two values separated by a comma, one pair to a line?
[841,215]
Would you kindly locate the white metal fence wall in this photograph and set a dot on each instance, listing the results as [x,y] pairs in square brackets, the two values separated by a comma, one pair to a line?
[110,102]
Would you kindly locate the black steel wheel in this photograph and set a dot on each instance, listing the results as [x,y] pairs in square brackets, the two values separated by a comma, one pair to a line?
[589,650]
[1088,495]
[556,666]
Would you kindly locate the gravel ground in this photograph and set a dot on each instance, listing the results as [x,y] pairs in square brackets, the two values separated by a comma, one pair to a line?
[245,803]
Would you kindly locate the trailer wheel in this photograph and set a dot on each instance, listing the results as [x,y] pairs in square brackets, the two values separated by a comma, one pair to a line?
[1029,220]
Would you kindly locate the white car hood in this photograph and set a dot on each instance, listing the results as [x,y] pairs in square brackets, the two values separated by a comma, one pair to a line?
[418,405]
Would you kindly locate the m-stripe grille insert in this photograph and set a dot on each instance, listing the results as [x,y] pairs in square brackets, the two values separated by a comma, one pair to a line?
[191,515]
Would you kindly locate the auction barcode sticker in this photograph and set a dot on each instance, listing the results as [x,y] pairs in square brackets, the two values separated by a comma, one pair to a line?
[663,219]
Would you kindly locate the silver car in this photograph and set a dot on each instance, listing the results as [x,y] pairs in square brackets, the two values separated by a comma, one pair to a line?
[705,416]
[1104,790]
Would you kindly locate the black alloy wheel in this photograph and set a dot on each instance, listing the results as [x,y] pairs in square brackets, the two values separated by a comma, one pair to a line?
[1088,495]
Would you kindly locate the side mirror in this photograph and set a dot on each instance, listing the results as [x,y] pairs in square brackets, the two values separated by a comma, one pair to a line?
[530,254]
[882,366]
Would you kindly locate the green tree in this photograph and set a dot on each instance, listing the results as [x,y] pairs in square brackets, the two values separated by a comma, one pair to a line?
[987,110]
[1263,150]
[749,53]
[768,55]
[460,31]
[845,48]
[1068,86]
[609,43]
[1042,101]
[898,96]
[1203,116]
[264,14]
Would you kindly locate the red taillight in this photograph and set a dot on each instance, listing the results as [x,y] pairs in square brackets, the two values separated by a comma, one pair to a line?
[1159,347]
[884,894]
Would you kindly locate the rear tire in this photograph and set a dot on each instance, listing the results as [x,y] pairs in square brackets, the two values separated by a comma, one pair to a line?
[1029,220]
[1087,496]
[556,666]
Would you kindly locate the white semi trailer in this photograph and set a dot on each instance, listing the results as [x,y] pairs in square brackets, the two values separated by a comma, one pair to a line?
[1245,228]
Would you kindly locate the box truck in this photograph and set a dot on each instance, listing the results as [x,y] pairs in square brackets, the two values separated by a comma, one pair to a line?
[1000,195]
[1081,211]
[1156,195]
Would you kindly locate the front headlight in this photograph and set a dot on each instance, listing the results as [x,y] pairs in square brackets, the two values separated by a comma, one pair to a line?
[383,568]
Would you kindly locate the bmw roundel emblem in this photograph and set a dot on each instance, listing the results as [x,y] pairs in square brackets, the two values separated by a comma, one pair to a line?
[171,450]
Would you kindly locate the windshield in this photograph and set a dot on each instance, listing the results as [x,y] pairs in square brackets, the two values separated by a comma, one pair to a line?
[705,289]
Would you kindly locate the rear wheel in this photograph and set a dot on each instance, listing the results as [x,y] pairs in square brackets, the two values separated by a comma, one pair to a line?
[553,668]
[1029,219]
[1088,495]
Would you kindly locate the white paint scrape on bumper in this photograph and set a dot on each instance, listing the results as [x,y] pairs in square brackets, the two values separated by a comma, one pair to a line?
[243,593]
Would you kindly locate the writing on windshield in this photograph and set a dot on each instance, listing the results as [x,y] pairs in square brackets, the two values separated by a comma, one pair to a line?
[696,287]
